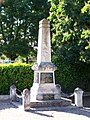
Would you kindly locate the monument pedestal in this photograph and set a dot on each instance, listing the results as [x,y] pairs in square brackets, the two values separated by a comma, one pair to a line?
[47,91]
[47,96]
[44,92]
[45,88]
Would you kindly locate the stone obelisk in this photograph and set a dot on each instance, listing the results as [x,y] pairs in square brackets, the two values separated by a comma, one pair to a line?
[44,91]
[44,87]
[44,43]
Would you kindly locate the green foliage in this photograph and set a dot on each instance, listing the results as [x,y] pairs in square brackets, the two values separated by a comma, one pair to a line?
[70,76]
[19,25]
[86,8]
[70,20]
[20,75]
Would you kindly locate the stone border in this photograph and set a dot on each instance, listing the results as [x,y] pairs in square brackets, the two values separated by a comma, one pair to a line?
[4,97]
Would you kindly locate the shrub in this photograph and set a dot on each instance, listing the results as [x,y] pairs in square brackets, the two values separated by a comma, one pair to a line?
[20,75]
[70,75]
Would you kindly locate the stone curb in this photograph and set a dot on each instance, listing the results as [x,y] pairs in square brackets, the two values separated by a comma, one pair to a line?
[4,97]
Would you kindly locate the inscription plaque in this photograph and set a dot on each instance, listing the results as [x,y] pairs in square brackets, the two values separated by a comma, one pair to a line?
[46,78]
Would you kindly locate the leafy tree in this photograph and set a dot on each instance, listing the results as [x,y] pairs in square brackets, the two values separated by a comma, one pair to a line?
[71,29]
[19,26]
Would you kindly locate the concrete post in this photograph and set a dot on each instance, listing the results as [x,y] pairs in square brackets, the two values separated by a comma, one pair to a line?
[78,97]
[13,93]
[26,99]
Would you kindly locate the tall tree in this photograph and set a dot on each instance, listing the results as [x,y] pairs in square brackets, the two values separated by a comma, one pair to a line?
[71,29]
[19,26]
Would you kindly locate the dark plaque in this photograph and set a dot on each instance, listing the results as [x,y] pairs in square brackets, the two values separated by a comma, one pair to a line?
[48,97]
[46,78]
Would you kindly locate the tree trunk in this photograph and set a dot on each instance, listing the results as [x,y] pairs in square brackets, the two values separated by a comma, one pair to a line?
[27,60]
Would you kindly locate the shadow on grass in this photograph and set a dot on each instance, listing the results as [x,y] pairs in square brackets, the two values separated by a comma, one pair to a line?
[48,111]
[69,109]
[6,105]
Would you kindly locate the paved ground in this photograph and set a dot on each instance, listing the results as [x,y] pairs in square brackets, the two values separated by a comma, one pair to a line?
[9,112]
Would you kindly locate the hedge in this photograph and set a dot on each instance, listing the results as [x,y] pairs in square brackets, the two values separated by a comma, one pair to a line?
[71,76]
[20,75]
[68,75]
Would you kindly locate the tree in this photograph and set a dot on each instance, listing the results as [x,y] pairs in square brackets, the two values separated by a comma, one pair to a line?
[71,29]
[19,26]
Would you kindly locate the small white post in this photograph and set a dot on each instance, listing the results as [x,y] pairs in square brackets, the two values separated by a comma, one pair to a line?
[78,97]
[26,99]
[13,93]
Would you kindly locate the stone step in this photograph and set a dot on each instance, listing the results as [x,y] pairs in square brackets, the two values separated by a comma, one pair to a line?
[63,102]
[51,103]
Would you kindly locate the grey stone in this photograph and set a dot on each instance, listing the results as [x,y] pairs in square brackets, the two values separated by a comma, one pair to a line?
[26,99]
[44,87]
[78,97]
[13,93]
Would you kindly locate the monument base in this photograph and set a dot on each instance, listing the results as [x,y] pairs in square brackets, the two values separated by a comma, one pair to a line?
[47,95]
[48,91]
[50,103]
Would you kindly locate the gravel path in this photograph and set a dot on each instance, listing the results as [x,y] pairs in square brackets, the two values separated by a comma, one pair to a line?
[9,112]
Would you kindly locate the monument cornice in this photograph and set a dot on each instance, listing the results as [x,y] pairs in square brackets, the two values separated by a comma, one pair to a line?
[44,66]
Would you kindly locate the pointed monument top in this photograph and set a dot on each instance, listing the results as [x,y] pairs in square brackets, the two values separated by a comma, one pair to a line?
[44,23]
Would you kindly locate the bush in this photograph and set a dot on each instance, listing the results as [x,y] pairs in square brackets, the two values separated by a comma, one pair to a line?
[70,75]
[21,75]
